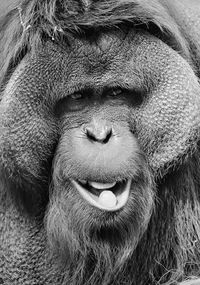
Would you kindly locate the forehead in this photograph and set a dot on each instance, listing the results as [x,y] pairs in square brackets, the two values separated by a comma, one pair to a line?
[112,58]
[101,47]
[97,59]
[96,52]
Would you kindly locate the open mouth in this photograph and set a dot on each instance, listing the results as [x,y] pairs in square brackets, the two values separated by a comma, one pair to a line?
[105,196]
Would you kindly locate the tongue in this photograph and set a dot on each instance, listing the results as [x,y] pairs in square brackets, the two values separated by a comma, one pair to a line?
[107,199]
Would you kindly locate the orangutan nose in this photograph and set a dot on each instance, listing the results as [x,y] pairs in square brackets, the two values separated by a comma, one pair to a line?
[100,133]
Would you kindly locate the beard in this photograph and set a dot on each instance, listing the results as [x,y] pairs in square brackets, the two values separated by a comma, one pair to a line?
[91,246]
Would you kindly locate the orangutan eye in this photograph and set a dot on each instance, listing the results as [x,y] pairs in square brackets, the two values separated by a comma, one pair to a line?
[76,96]
[115,92]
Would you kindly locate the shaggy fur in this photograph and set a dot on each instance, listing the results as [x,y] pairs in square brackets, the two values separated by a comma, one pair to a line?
[59,19]
[96,246]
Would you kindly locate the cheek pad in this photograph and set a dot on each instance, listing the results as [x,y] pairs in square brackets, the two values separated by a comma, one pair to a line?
[169,122]
[28,129]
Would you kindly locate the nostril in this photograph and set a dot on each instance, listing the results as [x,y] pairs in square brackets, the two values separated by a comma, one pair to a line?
[101,137]
[108,136]
[90,135]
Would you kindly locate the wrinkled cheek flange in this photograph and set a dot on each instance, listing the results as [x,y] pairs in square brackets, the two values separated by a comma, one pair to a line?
[169,125]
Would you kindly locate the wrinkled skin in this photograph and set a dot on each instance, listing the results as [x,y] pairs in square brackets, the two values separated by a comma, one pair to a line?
[132,83]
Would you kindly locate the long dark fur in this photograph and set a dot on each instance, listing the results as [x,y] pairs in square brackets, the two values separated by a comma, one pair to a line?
[93,247]
[177,253]
[168,251]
